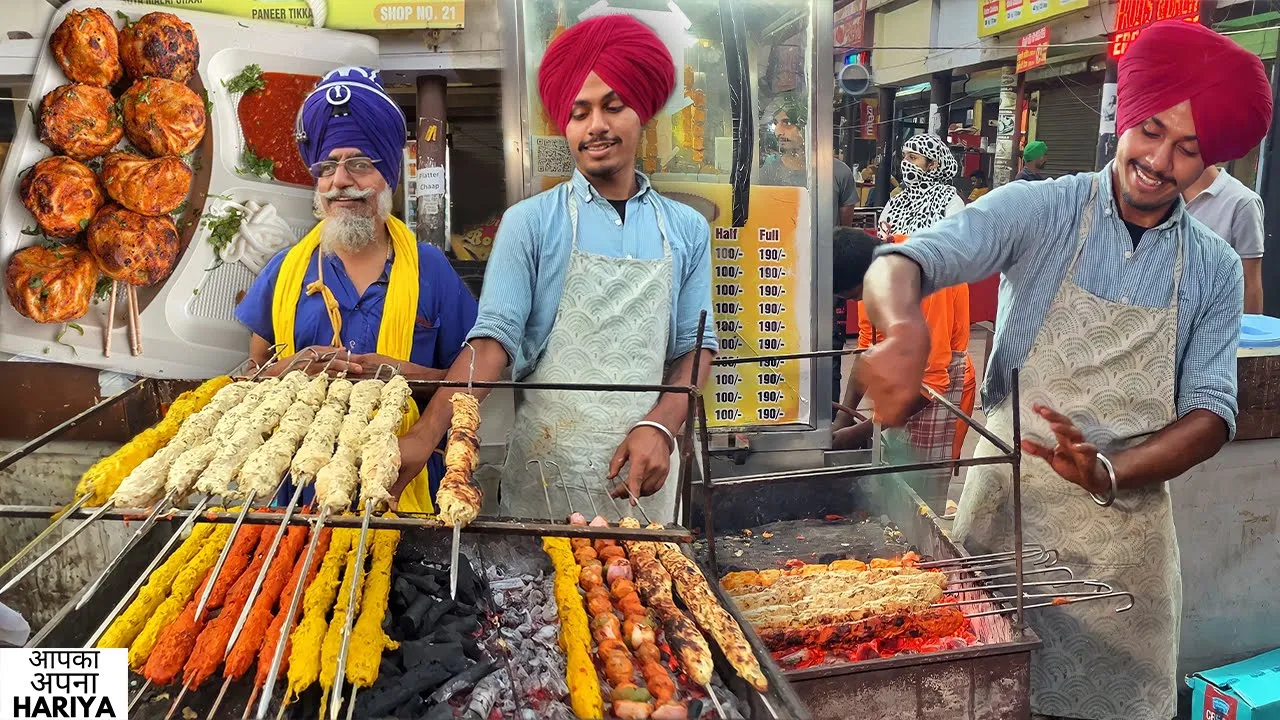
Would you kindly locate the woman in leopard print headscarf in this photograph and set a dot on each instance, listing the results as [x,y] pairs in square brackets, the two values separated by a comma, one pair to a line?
[927,196]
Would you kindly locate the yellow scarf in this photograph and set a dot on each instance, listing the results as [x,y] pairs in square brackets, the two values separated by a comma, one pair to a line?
[395,333]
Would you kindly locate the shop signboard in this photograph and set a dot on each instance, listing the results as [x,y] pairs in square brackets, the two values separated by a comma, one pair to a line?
[869,114]
[998,16]
[850,27]
[1033,50]
[339,14]
[1133,16]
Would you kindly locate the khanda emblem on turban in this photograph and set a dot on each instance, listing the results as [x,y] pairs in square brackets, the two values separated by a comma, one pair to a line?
[349,108]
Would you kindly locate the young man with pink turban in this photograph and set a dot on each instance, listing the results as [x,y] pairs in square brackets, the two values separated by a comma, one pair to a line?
[599,280]
[1123,315]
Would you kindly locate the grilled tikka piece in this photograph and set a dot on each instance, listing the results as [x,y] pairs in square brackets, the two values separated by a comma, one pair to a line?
[189,579]
[459,499]
[256,624]
[129,624]
[709,614]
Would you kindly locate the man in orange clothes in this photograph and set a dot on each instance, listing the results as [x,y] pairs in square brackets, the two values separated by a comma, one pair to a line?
[961,363]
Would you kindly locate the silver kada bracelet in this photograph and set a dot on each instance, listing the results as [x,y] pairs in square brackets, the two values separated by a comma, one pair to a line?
[1111,472]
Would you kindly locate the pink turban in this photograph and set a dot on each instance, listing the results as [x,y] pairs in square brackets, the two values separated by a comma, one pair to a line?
[1173,61]
[623,51]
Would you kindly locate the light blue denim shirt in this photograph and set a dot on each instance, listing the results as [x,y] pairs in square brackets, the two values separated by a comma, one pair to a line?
[526,270]
[1027,231]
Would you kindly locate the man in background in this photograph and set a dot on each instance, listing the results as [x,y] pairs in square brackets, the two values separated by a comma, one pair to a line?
[1234,213]
[980,186]
[789,164]
[1034,157]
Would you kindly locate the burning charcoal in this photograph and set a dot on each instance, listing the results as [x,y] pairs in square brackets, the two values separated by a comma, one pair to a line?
[408,553]
[426,583]
[419,680]
[506,584]
[472,650]
[466,626]
[443,711]
[410,621]
[548,633]
[444,635]
[413,709]
[469,586]
[463,682]
[437,611]
[448,655]
[404,592]
[390,666]
[485,696]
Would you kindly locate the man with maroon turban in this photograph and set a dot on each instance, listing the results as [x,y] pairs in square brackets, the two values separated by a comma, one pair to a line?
[600,280]
[1122,315]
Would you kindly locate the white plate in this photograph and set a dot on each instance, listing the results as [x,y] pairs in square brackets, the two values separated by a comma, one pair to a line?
[186,324]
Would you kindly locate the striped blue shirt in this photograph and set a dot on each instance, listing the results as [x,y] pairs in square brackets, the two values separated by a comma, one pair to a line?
[526,271]
[1027,232]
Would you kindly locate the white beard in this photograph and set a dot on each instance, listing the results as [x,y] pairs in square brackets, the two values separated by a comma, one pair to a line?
[349,231]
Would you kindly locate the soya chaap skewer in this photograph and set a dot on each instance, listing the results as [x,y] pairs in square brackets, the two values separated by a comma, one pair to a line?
[336,481]
[706,610]
[380,447]
[103,478]
[349,595]
[308,637]
[223,468]
[267,654]
[459,498]
[317,445]
[186,469]
[368,639]
[189,578]
[129,624]
[575,632]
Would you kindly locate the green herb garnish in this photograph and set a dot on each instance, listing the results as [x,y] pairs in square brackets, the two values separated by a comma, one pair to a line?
[251,164]
[222,228]
[31,109]
[249,79]
[62,333]
[35,282]
[102,289]
[125,18]
[143,96]
[208,104]
[84,224]
[30,231]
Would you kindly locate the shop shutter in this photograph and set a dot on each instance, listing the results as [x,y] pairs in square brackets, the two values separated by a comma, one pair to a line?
[1067,122]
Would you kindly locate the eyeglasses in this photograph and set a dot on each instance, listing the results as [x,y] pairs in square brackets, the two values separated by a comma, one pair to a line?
[355,166]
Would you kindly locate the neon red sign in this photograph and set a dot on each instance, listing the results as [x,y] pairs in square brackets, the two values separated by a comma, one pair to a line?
[1133,16]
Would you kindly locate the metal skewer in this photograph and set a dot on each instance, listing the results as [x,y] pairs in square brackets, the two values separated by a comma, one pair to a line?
[217,702]
[222,558]
[150,522]
[177,702]
[146,573]
[141,691]
[102,510]
[351,708]
[287,628]
[253,697]
[546,493]
[457,531]
[262,572]
[79,503]
[335,704]
[715,701]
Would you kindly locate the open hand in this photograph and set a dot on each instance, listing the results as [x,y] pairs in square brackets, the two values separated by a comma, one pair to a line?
[1072,458]
[648,454]
[414,455]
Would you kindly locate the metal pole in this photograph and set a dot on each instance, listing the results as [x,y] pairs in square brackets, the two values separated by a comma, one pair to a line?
[1269,189]
[939,102]
[1107,122]
[1019,132]
[1005,130]
[433,175]
[1016,461]
[886,131]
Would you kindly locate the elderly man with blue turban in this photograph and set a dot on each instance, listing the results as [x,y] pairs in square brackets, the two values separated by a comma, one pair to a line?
[359,280]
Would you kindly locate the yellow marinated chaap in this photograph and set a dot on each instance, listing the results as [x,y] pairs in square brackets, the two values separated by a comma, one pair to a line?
[308,638]
[126,628]
[102,479]
[367,638]
[180,593]
[333,636]
[575,633]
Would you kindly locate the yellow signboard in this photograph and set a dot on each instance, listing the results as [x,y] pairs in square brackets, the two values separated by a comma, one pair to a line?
[997,16]
[339,14]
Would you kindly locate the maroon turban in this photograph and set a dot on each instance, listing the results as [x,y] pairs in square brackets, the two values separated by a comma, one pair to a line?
[1173,61]
[623,51]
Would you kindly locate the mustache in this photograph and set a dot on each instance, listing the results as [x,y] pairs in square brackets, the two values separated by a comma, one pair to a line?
[1147,170]
[598,139]
[347,194]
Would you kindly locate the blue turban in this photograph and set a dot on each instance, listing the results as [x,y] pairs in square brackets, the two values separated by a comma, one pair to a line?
[349,108]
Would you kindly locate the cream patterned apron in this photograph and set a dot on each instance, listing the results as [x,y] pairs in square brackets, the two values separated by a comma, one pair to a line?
[1110,367]
[611,327]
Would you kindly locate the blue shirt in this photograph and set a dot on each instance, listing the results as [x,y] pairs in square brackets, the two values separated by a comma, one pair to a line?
[526,271]
[446,308]
[1027,231]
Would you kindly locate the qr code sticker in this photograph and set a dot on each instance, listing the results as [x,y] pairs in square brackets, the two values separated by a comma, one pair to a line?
[551,157]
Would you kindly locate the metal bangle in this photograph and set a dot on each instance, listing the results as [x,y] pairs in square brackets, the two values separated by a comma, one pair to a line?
[1111,472]
[671,438]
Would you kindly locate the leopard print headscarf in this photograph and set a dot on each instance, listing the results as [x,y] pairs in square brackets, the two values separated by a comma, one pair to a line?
[925,194]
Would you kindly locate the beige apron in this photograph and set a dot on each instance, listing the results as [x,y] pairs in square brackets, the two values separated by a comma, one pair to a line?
[611,327]
[1110,367]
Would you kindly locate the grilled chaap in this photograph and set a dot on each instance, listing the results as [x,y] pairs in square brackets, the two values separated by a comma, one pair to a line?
[460,498]
[51,285]
[184,587]
[147,187]
[575,633]
[297,584]
[308,637]
[252,635]
[159,45]
[162,117]
[133,248]
[380,449]
[62,195]
[79,121]
[87,48]
[336,481]
[368,639]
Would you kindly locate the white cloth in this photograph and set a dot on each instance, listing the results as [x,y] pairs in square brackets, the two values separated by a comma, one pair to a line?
[1110,367]
[613,314]
[262,234]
